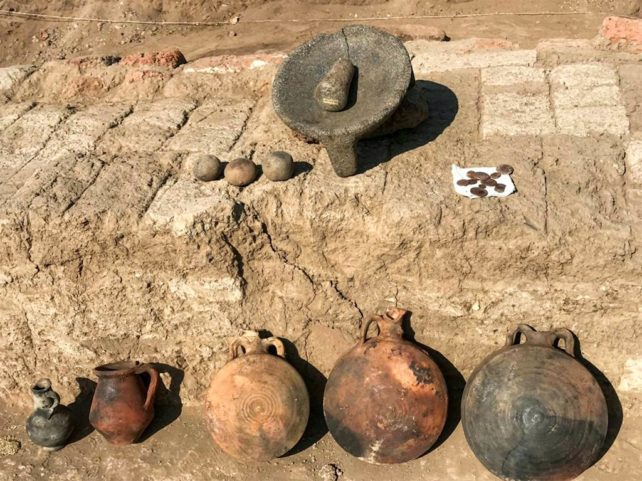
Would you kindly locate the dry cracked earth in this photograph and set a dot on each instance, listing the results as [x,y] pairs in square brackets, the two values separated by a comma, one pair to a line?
[111,249]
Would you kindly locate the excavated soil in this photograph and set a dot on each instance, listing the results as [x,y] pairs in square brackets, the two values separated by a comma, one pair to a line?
[110,249]
[275,25]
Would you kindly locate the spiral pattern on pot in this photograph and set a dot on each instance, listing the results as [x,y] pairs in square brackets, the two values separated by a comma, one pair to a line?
[258,406]
[534,414]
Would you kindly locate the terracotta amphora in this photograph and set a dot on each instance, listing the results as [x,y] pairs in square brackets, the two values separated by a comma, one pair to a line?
[386,400]
[122,408]
[532,412]
[257,404]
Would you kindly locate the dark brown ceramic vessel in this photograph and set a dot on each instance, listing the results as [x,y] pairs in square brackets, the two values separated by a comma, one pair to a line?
[531,411]
[122,407]
[386,400]
[257,405]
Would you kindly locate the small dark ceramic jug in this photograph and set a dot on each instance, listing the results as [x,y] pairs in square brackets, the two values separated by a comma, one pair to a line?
[122,408]
[50,423]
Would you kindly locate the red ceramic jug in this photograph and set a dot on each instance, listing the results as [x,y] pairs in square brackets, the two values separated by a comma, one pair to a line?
[122,408]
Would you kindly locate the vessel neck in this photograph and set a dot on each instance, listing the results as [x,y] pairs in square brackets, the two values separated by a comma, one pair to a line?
[390,324]
[43,396]
[251,343]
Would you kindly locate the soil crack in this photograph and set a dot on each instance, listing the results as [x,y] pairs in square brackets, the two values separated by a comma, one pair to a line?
[182,123]
[243,128]
[239,264]
[281,254]
[152,196]
[343,296]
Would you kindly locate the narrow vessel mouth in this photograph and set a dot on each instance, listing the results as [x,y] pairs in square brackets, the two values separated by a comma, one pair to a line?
[41,385]
[113,369]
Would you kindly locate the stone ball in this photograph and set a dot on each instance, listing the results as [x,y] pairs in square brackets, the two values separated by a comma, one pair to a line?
[240,172]
[207,167]
[278,166]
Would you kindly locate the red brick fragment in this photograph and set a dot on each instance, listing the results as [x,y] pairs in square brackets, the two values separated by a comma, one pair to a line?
[163,58]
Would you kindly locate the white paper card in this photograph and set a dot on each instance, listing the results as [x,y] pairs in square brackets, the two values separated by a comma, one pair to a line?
[460,173]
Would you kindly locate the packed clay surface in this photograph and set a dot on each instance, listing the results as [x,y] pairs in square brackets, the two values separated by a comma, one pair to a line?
[111,249]
[218,27]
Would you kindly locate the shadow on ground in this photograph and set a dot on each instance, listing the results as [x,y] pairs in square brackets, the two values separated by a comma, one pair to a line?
[613,403]
[300,168]
[168,405]
[454,381]
[315,382]
[442,110]
[80,409]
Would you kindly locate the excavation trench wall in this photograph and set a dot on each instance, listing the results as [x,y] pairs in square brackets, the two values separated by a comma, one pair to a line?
[111,250]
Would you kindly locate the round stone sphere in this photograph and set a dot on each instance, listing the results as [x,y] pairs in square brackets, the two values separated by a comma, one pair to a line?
[206,167]
[240,172]
[278,166]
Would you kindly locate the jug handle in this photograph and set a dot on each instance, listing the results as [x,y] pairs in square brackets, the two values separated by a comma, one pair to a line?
[276,343]
[371,320]
[153,384]
[543,338]
[55,400]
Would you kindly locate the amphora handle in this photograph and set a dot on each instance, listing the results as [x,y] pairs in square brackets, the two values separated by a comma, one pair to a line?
[543,338]
[250,343]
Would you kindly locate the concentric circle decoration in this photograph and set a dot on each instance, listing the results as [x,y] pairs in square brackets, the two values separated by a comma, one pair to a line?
[534,413]
[258,406]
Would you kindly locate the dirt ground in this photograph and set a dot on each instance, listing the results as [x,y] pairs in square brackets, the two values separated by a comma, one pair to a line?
[289,23]
[110,249]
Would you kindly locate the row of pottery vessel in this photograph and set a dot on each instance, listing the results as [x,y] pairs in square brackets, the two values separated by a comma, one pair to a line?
[530,411]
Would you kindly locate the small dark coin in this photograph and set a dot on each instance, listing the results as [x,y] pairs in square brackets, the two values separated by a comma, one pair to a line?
[489,182]
[463,181]
[479,192]
[472,181]
[482,175]
[505,169]
[495,175]
[471,175]
[500,188]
